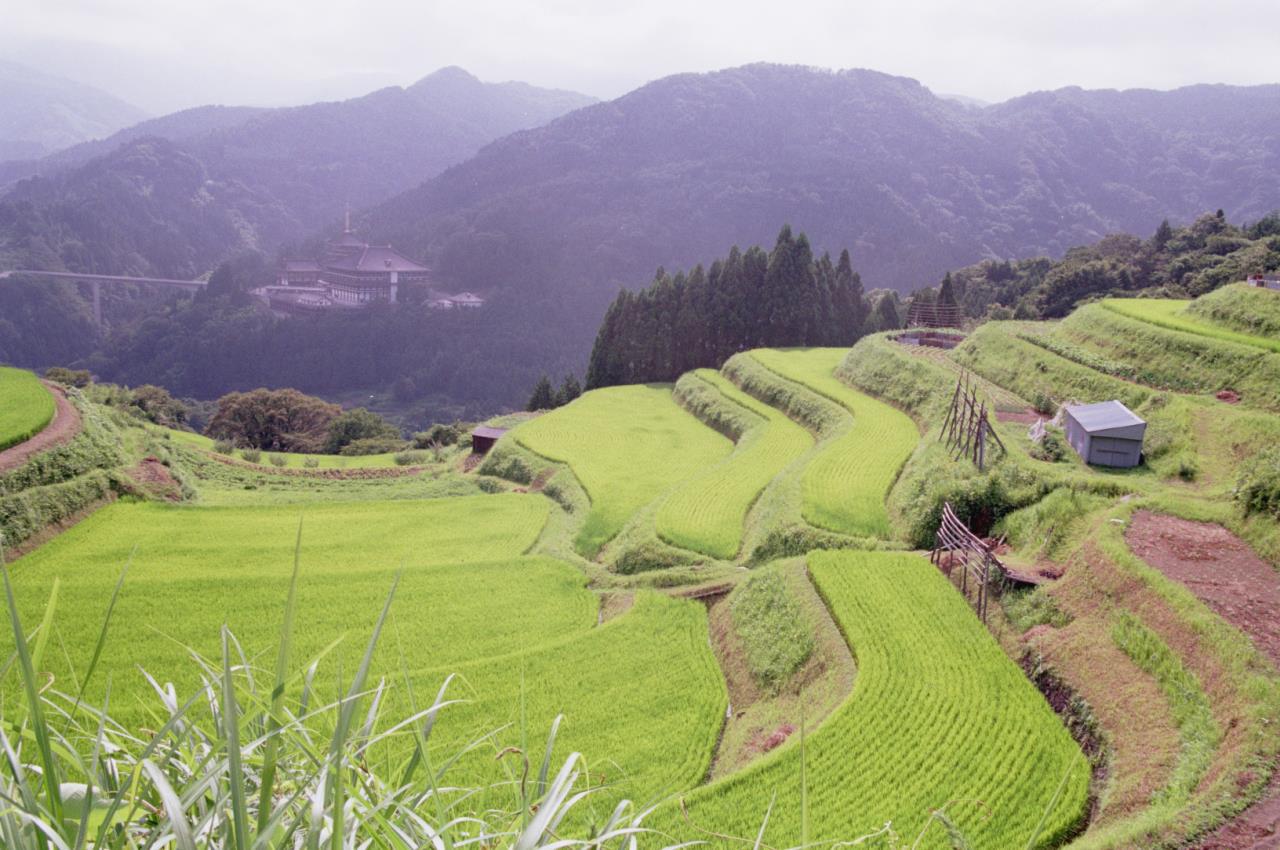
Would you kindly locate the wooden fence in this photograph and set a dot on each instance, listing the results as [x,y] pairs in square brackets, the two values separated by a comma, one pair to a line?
[960,546]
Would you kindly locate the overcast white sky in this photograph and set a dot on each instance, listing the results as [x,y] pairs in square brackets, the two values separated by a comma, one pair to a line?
[169,54]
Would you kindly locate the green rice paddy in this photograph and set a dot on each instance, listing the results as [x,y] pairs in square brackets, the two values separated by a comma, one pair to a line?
[845,485]
[627,445]
[707,513]
[1172,314]
[26,407]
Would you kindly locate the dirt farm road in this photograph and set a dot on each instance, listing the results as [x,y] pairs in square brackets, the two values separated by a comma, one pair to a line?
[64,427]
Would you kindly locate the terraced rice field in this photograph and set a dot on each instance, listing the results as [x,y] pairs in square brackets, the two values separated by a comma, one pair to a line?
[844,486]
[708,512]
[643,689]
[291,460]
[939,716]
[26,407]
[642,693]
[627,445]
[1172,314]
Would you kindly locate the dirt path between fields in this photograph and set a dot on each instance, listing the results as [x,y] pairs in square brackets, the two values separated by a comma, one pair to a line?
[63,429]
[1244,590]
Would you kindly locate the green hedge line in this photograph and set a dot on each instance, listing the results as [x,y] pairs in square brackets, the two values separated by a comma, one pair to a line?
[31,511]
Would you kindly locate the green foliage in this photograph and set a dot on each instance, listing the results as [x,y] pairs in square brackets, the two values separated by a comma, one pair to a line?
[1258,487]
[570,389]
[373,446]
[1052,446]
[156,405]
[1172,314]
[543,396]
[706,514]
[627,445]
[878,365]
[78,378]
[1192,260]
[1240,308]
[746,300]
[1029,608]
[274,420]
[251,455]
[845,485]
[1187,700]
[358,424]
[224,447]
[277,460]
[408,458]
[26,407]
[439,435]
[775,632]
[922,655]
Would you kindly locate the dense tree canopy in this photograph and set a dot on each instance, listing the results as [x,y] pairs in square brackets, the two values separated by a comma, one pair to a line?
[274,420]
[747,300]
[1176,262]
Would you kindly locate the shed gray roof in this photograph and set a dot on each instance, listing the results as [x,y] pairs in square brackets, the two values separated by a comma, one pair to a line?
[486,431]
[1104,416]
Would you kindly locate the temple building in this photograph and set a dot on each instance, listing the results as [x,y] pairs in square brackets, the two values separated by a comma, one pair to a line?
[350,273]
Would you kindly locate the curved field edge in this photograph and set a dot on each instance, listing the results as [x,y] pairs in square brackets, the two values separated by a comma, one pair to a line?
[1224,695]
[626,446]
[846,483]
[708,513]
[1171,313]
[882,757]
[26,406]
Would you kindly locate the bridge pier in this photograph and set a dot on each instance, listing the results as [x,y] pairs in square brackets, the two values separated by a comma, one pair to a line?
[97,302]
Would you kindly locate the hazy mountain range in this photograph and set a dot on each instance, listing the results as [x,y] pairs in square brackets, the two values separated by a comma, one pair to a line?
[41,113]
[247,177]
[684,167]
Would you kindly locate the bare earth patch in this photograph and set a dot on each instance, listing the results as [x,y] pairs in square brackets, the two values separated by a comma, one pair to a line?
[63,429]
[1244,590]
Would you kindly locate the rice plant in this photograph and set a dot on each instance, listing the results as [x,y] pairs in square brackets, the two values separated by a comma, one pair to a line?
[251,759]
[26,407]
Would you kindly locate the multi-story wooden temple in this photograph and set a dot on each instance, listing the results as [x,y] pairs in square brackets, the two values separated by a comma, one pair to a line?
[352,273]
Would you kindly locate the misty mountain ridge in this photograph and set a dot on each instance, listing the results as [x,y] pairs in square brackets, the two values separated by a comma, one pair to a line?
[272,175]
[41,113]
[915,183]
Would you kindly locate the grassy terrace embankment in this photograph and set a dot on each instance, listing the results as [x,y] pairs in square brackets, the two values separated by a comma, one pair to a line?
[887,755]
[626,445]
[845,485]
[1172,314]
[707,513]
[26,407]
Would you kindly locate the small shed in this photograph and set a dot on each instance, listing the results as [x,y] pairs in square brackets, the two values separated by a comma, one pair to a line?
[483,438]
[1105,434]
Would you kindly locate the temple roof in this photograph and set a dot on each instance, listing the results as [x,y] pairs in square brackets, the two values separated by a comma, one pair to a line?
[375,258]
[301,266]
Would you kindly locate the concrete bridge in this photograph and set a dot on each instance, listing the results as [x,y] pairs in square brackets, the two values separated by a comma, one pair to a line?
[96,281]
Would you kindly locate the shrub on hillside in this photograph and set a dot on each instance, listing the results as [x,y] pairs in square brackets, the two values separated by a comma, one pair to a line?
[224,447]
[251,455]
[311,462]
[155,404]
[773,628]
[373,446]
[1258,488]
[278,460]
[78,378]
[439,435]
[408,458]
[358,424]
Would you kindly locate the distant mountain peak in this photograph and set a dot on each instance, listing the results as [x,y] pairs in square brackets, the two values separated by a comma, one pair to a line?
[448,75]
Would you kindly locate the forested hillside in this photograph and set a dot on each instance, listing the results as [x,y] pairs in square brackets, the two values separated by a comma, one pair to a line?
[1175,262]
[41,113]
[912,183]
[247,178]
